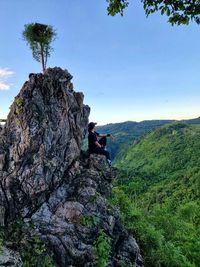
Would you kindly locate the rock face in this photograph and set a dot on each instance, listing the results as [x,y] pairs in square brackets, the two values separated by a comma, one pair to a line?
[43,136]
[9,258]
[47,181]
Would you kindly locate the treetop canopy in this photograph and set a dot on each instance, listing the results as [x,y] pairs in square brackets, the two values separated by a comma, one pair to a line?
[178,11]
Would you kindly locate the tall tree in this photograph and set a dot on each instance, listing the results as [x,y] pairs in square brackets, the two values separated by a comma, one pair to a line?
[39,37]
[178,11]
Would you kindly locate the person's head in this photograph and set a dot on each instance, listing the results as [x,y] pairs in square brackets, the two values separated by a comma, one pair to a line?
[91,126]
[30,75]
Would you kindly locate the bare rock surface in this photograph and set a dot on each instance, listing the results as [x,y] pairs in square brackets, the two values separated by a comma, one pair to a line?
[9,258]
[45,180]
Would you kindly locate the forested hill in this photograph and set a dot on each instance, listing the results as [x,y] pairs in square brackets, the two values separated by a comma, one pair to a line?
[158,192]
[192,121]
[126,133]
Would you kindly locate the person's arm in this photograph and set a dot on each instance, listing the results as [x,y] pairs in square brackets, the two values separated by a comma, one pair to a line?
[97,144]
[105,135]
[102,135]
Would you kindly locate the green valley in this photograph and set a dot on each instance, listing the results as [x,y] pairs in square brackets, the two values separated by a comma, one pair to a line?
[158,194]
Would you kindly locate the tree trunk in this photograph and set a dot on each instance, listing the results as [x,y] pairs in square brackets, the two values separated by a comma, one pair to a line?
[42,57]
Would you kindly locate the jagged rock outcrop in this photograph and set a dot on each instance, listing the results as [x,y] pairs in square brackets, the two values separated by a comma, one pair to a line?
[42,137]
[48,182]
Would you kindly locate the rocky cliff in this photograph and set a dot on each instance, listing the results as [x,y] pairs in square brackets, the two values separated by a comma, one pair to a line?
[56,192]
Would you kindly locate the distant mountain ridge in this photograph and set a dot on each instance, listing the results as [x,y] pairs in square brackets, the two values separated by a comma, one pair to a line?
[127,132]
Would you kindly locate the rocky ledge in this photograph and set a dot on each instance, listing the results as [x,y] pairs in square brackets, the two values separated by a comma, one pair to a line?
[56,192]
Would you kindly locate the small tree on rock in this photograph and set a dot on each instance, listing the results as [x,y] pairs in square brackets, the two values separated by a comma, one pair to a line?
[39,37]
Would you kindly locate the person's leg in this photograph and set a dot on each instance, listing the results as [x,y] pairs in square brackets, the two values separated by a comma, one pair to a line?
[101,151]
[103,141]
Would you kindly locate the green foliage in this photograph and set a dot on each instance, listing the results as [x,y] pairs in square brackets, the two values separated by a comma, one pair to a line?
[102,248]
[36,254]
[161,235]
[188,212]
[31,248]
[158,194]
[1,243]
[88,220]
[166,152]
[19,105]
[39,37]
[116,6]
[179,12]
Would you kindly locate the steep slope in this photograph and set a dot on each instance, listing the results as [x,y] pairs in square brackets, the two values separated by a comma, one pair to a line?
[166,151]
[160,180]
[192,121]
[50,193]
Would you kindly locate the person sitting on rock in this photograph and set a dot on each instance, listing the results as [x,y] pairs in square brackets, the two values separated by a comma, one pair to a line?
[97,142]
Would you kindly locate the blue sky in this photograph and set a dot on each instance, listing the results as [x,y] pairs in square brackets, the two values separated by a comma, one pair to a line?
[129,68]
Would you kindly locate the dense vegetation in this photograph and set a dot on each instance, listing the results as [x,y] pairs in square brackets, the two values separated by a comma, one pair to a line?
[158,193]
[21,237]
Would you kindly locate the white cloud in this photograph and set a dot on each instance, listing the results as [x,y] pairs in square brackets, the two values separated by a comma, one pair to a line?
[4,86]
[4,74]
